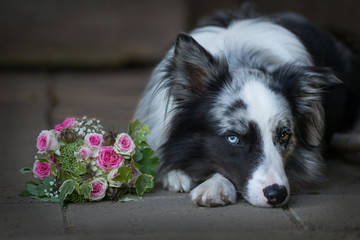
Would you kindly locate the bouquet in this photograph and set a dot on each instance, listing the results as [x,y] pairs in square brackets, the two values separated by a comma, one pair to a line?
[78,161]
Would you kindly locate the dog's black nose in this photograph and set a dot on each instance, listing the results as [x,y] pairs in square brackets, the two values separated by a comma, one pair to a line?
[275,194]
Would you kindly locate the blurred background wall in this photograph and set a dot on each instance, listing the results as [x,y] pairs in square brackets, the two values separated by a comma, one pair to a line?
[122,33]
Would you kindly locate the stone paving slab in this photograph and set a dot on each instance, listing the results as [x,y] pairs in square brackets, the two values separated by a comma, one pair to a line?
[30,220]
[162,214]
[333,213]
[23,107]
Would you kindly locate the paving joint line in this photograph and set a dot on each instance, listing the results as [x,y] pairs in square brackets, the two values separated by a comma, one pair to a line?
[299,224]
[66,224]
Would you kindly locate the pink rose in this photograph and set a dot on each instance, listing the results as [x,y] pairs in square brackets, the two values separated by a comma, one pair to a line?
[47,141]
[108,159]
[58,128]
[85,153]
[42,169]
[93,140]
[99,186]
[124,144]
[69,122]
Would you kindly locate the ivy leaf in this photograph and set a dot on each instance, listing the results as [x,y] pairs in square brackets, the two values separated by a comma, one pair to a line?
[128,198]
[32,188]
[144,182]
[26,170]
[148,162]
[132,127]
[66,188]
[47,181]
[125,175]
[145,129]
[85,189]
[25,193]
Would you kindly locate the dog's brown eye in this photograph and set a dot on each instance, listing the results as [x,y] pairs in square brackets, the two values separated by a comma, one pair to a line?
[284,137]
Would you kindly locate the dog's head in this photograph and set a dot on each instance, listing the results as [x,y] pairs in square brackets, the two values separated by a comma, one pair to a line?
[254,127]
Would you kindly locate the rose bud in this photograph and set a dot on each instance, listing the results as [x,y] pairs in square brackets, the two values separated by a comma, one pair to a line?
[68,135]
[109,138]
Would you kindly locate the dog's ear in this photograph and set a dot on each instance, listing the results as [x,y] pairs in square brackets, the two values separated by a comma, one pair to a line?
[193,70]
[304,86]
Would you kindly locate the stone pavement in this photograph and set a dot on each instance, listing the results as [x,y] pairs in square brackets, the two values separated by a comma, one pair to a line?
[31,101]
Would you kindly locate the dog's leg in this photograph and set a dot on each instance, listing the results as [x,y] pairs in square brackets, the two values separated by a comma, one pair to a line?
[214,192]
[177,181]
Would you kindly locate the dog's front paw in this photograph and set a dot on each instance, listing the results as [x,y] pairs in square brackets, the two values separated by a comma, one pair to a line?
[214,192]
[177,181]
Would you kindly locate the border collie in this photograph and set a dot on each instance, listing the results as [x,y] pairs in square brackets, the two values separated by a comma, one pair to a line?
[239,107]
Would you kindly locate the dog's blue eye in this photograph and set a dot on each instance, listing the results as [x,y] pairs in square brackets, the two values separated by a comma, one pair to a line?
[233,140]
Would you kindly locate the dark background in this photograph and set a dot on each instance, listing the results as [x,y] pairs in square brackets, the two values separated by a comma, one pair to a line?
[90,34]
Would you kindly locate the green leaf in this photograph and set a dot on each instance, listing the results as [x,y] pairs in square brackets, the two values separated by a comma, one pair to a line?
[47,181]
[66,188]
[125,175]
[47,199]
[128,198]
[145,129]
[32,188]
[140,137]
[144,182]
[26,170]
[138,155]
[53,171]
[85,189]
[133,125]
[77,188]
[148,162]
[80,168]
[25,193]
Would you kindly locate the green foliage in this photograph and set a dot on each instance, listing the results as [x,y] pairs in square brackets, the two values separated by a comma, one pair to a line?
[66,188]
[44,191]
[85,189]
[129,197]
[125,175]
[75,197]
[67,158]
[144,158]
[25,170]
[143,183]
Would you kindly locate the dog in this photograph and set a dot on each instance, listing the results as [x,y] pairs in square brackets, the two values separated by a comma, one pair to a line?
[243,105]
